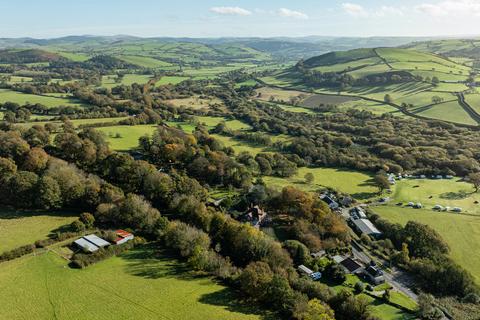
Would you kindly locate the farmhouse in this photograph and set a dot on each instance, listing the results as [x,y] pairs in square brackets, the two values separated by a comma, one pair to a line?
[91,243]
[255,216]
[367,227]
[357,213]
[123,236]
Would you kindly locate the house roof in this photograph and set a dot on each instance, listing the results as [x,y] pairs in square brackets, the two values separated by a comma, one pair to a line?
[305,269]
[366,226]
[86,245]
[351,265]
[99,242]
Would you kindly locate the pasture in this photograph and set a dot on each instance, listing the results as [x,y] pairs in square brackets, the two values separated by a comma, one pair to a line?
[141,284]
[323,99]
[449,111]
[194,102]
[109,81]
[170,80]
[430,192]
[145,62]
[460,231]
[123,138]
[48,101]
[355,183]
[19,228]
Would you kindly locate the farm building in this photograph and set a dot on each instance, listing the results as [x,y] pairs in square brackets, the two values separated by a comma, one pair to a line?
[367,227]
[91,243]
[350,265]
[85,245]
[329,200]
[255,216]
[123,236]
[306,271]
[374,275]
[357,213]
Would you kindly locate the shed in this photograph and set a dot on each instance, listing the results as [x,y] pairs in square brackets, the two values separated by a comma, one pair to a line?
[85,245]
[303,269]
[351,265]
[367,227]
[99,242]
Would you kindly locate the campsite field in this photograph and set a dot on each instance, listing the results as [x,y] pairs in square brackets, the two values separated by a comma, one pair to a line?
[356,183]
[19,228]
[460,231]
[24,98]
[140,284]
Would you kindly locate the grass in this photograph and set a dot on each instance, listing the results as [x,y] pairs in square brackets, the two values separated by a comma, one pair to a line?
[474,101]
[24,98]
[128,135]
[19,228]
[355,183]
[146,62]
[377,307]
[76,122]
[194,102]
[140,284]
[460,231]
[430,192]
[170,80]
[449,111]
[129,79]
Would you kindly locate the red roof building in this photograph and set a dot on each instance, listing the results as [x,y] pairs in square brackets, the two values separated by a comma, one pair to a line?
[123,236]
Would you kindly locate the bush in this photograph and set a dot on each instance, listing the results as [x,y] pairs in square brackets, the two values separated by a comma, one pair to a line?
[359,287]
[17,253]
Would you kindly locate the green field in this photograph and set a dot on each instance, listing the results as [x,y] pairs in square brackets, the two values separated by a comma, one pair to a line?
[146,62]
[24,98]
[449,111]
[129,135]
[140,284]
[461,232]
[76,122]
[128,79]
[170,80]
[355,183]
[430,192]
[19,228]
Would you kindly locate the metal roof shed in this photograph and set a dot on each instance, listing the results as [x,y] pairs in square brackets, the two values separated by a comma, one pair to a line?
[366,226]
[86,245]
[99,242]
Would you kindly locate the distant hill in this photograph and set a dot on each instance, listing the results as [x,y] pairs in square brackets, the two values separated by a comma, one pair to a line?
[277,48]
[27,56]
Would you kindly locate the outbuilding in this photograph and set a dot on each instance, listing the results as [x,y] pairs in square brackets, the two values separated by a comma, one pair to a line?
[367,227]
[123,236]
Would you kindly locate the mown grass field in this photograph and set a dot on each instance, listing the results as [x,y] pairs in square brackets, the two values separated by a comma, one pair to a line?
[357,184]
[19,228]
[140,284]
[128,135]
[24,98]
[460,231]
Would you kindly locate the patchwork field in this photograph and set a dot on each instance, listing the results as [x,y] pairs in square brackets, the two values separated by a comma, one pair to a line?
[19,228]
[140,284]
[24,98]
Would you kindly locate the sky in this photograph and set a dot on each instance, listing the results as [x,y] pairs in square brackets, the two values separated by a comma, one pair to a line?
[223,18]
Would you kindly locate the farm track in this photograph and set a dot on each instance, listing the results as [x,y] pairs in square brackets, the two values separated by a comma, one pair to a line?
[471,112]
[383,59]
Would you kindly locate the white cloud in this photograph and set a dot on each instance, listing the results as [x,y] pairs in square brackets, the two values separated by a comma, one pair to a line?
[355,10]
[451,8]
[287,13]
[235,11]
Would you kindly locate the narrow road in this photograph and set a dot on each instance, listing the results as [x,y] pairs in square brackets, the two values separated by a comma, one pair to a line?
[399,279]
